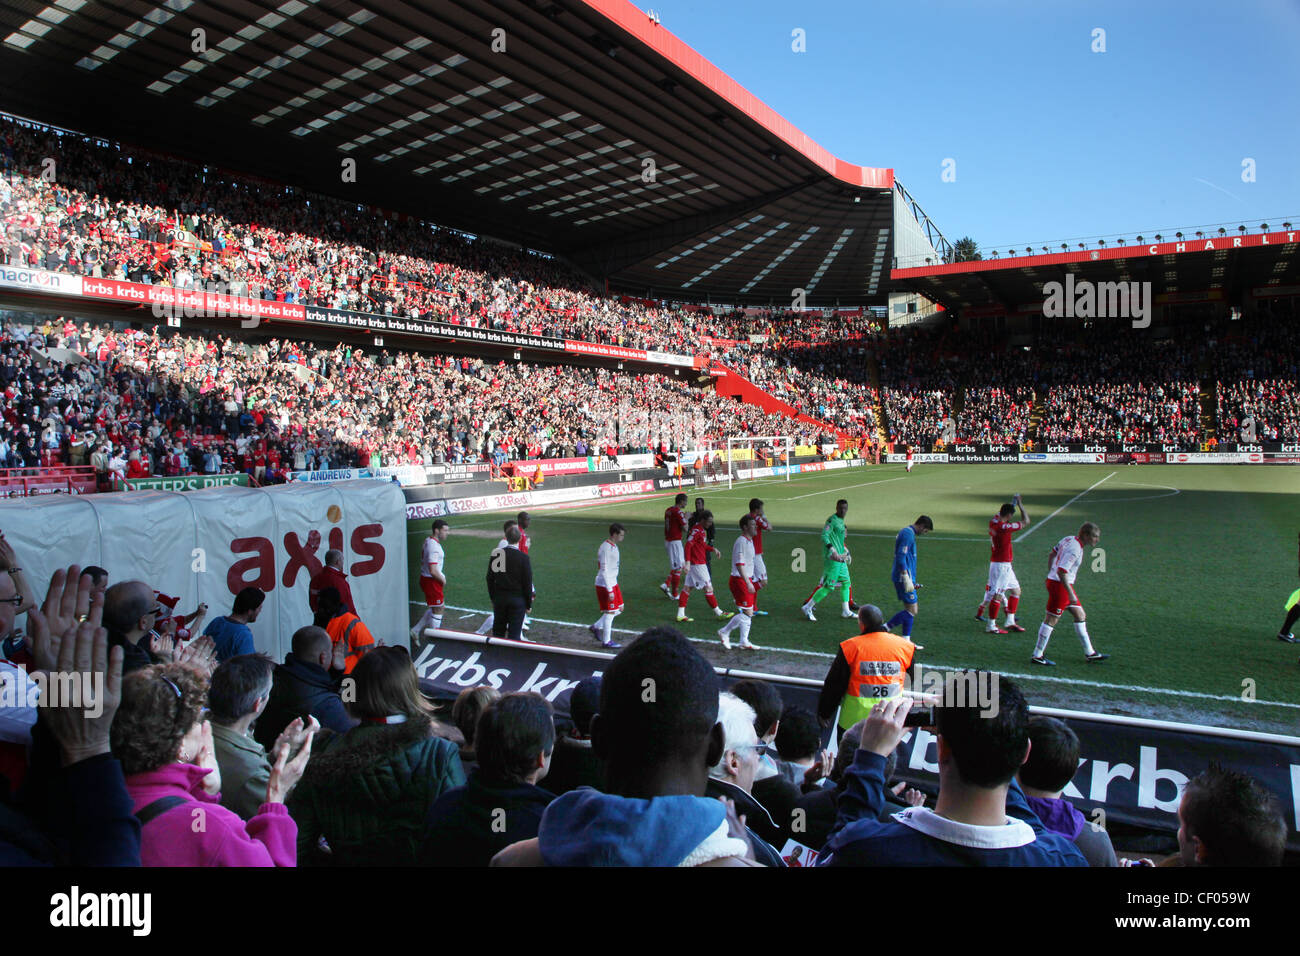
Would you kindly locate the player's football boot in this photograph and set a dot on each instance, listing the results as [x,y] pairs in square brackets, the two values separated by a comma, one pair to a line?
[750,647]
[1044,661]
[807,612]
[612,646]
[725,615]
[995,630]
[760,613]
[726,642]
[1097,658]
[1015,628]
[685,620]
[667,592]
[979,613]
[595,632]
[1287,638]
[847,614]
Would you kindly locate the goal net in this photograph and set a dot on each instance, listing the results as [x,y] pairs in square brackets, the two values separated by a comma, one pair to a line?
[758,457]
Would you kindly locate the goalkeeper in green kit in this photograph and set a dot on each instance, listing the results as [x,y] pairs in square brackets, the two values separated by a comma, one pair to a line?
[835,564]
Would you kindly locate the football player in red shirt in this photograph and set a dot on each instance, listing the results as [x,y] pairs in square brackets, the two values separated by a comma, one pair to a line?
[697,575]
[1002,583]
[674,528]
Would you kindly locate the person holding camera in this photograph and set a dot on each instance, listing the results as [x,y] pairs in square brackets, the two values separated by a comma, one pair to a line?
[981,816]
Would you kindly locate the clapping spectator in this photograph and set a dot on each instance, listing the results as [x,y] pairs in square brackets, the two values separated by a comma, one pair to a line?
[237,696]
[169,758]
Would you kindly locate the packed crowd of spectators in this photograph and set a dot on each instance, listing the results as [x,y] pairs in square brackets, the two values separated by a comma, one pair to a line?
[1259,410]
[117,213]
[123,214]
[203,752]
[152,403]
[1167,412]
[1256,367]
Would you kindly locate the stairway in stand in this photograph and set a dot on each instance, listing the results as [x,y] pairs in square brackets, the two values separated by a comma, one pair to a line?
[1209,410]
[873,376]
[1036,413]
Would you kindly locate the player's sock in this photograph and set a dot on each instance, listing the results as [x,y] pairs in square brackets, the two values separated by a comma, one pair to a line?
[423,622]
[486,625]
[677,582]
[732,624]
[994,608]
[746,622]
[1012,604]
[712,600]
[906,619]
[607,629]
[435,621]
[1292,616]
[681,599]
[1044,635]
[1081,628]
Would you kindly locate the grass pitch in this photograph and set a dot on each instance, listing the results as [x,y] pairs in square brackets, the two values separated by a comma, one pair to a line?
[1185,593]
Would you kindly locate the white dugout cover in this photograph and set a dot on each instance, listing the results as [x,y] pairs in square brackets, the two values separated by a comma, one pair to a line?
[205,545]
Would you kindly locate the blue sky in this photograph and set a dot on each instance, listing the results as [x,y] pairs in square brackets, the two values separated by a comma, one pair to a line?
[1051,141]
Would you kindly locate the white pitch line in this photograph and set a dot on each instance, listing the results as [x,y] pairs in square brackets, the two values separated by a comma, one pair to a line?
[831,491]
[1075,681]
[1035,527]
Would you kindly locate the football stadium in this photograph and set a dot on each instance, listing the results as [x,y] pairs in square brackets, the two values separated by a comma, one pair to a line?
[508,377]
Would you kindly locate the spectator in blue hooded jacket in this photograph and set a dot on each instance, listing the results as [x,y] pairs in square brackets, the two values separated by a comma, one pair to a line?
[657,731]
[980,818]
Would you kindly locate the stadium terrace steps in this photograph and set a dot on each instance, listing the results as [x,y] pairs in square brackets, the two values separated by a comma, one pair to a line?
[873,376]
[1036,414]
[1209,409]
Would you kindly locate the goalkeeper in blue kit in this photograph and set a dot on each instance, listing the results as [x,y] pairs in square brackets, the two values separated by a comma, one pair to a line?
[903,574]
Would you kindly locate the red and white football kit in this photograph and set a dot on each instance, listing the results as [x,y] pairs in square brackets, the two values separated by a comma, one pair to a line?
[431,558]
[607,590]
[1067,556]
[742,566]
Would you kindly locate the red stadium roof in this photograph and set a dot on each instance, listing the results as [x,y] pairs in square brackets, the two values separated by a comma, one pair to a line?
[544,142]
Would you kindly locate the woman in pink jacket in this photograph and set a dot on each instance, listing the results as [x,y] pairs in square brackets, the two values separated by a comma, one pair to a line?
[166,752]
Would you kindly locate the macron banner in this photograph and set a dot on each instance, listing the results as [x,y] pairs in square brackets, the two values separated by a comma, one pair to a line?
[38,280]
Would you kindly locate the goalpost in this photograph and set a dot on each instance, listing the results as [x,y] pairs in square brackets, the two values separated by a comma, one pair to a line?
[745,456]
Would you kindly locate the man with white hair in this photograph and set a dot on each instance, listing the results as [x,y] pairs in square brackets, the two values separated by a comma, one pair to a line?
[733,775]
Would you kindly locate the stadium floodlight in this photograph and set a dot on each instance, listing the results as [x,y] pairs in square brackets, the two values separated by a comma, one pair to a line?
[1263,227]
